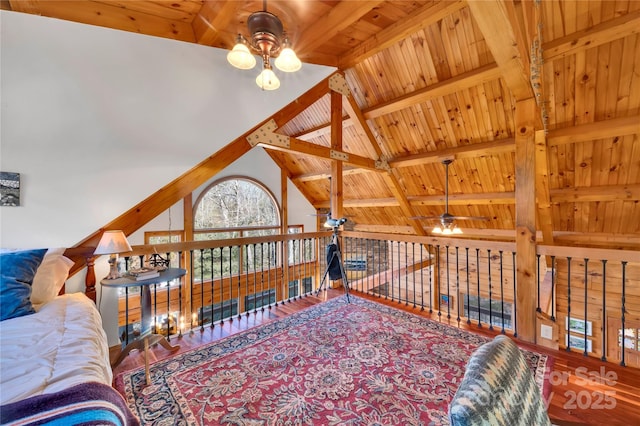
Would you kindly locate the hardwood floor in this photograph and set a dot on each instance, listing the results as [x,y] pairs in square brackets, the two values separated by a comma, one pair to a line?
[585,391]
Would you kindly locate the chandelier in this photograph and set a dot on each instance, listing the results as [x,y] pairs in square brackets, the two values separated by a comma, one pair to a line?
[269,40]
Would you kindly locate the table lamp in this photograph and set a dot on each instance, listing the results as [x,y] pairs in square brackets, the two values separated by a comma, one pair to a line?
[112,243]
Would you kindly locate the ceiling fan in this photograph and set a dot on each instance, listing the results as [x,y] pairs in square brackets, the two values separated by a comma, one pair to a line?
[446,219]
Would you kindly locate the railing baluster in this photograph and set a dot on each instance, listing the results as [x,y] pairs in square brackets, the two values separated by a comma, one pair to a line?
[438,275]
[490,290]
[222,285]
[211,253]
[255,280]
[568,303]
[406,274]
[431,272]
[586,277]
[468,311]
[515,304]
[448,286]
[244,268]
[191,294]
[421,278]
[246,279]
[478,276]
[126,315]
[604,309]
[168,336]
[538,281]
[501,293]
[413,255]
[624,279]
[201,290]
[553,289]
[231,284]
[457,284]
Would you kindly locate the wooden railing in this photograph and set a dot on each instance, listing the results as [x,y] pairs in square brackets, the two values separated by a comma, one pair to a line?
[457,279]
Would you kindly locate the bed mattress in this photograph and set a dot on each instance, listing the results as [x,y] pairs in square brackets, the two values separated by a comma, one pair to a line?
[61,345]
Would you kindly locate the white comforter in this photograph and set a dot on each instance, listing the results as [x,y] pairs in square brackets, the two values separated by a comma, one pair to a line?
[61,345]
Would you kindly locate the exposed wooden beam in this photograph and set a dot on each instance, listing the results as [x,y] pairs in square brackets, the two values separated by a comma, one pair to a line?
[292,145]
[511,57]
[455,84]
[339,17]
[483,199]
[112,15]
[400,30]
[208,23]
[468,151]
[556,196]
[597,130]
[336,208]
[399,193]
[309,177]
[596,193]
[362,127]
[545,214]
[525,166]
[605,32]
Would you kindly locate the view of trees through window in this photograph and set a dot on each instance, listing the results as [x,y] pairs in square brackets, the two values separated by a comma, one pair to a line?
[236,203]
[232,208]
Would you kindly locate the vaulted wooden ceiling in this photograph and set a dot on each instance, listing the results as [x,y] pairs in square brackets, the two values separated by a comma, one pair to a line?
[430,80]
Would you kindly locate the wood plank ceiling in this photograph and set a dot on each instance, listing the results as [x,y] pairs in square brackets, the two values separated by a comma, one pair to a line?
[435,79]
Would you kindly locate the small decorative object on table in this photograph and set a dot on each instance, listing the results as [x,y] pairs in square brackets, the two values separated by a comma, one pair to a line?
[158,262]
[143,273]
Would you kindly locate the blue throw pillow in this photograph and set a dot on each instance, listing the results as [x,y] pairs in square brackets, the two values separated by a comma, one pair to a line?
[17,270]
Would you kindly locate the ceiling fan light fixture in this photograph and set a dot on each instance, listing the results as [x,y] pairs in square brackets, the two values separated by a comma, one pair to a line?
[267,80]
[287,61]
[240,57]
[267,38]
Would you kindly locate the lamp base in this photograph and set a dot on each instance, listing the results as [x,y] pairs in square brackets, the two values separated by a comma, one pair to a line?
[114,274]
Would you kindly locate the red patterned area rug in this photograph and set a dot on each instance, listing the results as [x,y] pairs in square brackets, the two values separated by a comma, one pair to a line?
[335,363]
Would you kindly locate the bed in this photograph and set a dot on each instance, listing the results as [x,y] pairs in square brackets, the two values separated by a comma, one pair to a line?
[55,357]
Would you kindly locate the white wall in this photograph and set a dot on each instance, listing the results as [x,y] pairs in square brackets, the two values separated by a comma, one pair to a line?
[95,120]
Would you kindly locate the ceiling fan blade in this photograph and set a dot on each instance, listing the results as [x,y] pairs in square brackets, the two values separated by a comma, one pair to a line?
[425,217]
[469,218]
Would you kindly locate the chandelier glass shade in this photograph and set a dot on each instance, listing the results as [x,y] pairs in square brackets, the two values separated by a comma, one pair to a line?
[268,40]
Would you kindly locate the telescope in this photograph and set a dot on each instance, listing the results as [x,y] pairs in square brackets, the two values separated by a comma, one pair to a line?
[334,223]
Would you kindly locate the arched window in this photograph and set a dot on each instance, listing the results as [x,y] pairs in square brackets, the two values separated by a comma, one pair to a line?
[233,207]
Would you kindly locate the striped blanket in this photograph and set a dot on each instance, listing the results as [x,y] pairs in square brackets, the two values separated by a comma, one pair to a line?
[84,404]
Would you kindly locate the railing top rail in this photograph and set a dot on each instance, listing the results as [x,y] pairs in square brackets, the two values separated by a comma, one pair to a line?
[436,241]
[209,244]
[590,253]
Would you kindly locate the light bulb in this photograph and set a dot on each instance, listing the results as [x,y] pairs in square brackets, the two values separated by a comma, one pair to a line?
[288,61]
[267,80]
[437,230]
[457,230]
[241,58]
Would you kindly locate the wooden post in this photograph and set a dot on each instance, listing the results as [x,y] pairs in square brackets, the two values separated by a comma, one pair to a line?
[282,291]
[336,165]
[525,167]
[187,213]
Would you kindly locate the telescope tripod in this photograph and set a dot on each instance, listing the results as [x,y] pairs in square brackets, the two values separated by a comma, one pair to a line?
[336,256]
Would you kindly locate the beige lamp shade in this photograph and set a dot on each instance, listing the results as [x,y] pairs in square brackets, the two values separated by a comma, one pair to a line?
[113,242]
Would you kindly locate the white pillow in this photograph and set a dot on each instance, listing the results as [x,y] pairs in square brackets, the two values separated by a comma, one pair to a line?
[50,276]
